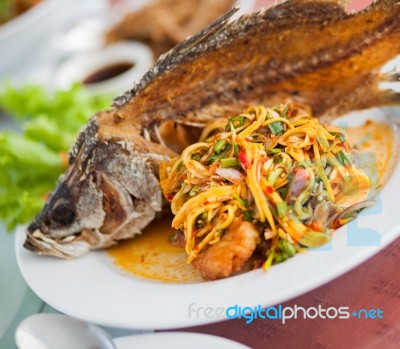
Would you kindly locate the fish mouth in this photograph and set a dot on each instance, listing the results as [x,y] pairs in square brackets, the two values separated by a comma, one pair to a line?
[68,247]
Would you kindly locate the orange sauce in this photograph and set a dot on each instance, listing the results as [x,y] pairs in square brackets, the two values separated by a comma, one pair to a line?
[152,256]
[379,141]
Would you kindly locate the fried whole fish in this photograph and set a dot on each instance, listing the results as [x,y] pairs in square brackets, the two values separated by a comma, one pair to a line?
[308,51]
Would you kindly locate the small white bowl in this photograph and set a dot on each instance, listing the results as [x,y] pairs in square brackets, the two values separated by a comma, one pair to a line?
[80,66]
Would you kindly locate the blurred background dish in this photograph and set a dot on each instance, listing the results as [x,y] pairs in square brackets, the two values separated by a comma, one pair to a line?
[36,42]
[109,70]
[175,20]
[23,36]
[115,48]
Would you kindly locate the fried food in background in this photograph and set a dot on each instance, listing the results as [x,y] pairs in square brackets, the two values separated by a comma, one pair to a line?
[164,23]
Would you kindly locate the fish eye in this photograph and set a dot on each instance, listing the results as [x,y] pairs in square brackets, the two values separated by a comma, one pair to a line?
[63,215]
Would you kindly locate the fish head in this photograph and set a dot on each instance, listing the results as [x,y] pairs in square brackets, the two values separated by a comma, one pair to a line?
[109,192]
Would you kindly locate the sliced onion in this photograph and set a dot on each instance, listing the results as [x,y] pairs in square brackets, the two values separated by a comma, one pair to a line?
[299,182]
[230,174]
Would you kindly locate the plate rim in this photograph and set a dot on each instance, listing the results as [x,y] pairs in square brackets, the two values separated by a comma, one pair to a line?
[234,283]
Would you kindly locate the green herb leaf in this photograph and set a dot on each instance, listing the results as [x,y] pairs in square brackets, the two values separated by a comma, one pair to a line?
[345,158]
[219,146]
[339,135]
[194,191]
[285,111]
[282,209]
[287,248]
[235,150]
[276,128]
[229,162]
[242,201]
[196,157]
[220,156]
[31,162]
[248,216]
[236,121]
[274,151]
[323,141]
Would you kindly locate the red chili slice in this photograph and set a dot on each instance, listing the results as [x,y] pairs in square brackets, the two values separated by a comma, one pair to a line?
[269,189]
[243,159]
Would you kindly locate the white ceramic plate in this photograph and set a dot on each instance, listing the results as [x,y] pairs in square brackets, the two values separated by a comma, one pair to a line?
[176,340]
[91,288]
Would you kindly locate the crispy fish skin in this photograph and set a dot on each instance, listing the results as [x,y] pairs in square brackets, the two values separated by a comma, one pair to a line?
[302,50]
[307,50]
[109,192]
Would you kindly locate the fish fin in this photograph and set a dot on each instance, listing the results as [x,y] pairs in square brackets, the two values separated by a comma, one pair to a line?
[307,10]
[389,97]
[392,76]
[308,50]
[174,55]
[300,11]
[197,39]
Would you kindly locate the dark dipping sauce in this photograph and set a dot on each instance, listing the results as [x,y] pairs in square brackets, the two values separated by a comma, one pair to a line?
[107,72]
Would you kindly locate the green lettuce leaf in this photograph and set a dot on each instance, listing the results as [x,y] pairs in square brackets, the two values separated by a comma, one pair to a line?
[32,161]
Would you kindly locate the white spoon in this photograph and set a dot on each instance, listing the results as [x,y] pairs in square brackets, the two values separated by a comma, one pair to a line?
[49,331]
